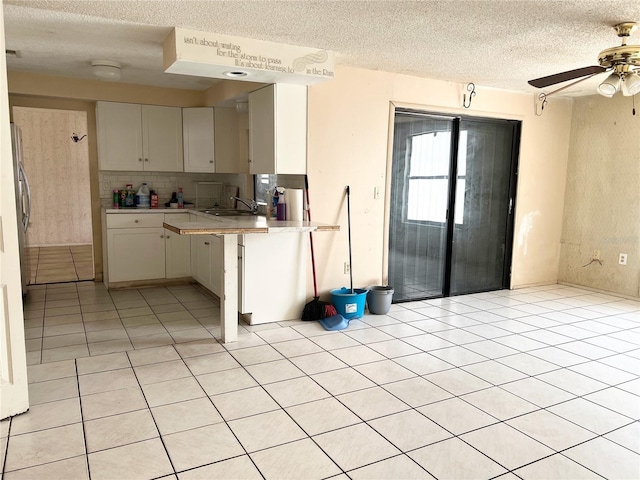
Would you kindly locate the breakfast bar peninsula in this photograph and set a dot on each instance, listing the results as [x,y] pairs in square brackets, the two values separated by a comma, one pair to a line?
[229,229]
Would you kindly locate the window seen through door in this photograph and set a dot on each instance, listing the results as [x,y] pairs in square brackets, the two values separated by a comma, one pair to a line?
[428,177]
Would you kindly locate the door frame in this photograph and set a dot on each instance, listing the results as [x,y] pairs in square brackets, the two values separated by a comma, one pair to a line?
[14,388]
[457,114]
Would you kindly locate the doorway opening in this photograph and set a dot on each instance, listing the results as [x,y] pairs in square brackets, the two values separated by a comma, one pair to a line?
[59,239]
[452,202]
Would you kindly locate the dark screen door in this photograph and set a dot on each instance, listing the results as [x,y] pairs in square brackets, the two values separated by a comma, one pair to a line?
[452,197]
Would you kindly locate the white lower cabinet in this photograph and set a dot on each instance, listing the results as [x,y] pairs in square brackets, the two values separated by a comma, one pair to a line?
[135,254]
[206,261]
[138,248]
[177,250]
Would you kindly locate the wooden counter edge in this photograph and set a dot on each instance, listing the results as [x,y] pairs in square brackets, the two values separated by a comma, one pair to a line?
[214,230]
[239,231]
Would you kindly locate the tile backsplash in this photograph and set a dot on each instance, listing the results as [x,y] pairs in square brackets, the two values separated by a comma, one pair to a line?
[164,183]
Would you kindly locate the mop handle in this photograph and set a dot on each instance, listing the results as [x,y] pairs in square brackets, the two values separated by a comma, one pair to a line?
[349,228]
[313,259]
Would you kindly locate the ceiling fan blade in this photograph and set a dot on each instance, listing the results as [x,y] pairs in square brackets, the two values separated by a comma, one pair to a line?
[566,76]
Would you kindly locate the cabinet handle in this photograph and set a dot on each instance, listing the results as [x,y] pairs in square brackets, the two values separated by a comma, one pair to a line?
[210,161]
[166,236]
[136,221]
[139,159]
[146,159]
[161,236]
[206,243]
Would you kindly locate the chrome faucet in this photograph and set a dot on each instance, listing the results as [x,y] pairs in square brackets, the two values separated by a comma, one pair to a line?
[251,204]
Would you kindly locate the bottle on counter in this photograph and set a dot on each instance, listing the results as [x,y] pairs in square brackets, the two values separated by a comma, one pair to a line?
[180,198]
[130,201]
[143,196]
[173,202]
[281,208]
[154,199]
[116,198]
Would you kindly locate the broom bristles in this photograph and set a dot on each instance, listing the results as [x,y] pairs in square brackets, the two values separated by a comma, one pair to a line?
[317,310]
[330,310]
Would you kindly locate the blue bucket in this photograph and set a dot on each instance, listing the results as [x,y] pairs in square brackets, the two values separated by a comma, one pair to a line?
[349,305]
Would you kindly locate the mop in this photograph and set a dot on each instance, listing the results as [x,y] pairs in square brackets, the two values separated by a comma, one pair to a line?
[337,321]
[315,309]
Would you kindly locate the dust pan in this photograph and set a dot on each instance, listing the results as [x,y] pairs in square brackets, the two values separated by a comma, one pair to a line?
[334,322]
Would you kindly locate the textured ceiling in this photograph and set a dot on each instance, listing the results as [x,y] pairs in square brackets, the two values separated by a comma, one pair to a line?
[495,43]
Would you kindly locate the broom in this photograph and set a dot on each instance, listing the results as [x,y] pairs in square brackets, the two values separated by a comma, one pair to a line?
[315,309]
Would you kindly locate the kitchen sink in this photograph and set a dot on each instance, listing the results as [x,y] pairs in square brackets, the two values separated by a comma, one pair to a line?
[227,212]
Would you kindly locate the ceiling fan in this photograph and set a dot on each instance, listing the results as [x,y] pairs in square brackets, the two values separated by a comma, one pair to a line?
[622,61]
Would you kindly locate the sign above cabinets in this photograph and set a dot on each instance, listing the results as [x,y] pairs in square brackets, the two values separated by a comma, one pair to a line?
[206,54]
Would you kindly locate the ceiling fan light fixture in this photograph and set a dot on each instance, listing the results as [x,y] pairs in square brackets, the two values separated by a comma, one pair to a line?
[631,84]
[106,69]
[610,86]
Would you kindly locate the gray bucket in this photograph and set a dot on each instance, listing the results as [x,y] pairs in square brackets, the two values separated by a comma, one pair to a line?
[379,299]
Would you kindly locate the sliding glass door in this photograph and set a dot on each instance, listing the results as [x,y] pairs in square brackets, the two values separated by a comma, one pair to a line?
[452,192]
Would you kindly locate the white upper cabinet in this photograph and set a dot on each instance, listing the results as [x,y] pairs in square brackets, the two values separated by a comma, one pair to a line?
[198,134]
[278,129]
[228,141]
[136,137]
[119,128]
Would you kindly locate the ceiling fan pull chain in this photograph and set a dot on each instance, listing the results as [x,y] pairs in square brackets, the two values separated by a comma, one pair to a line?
[634,105]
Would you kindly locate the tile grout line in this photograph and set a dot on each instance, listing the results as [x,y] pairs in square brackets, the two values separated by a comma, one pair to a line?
[226,422]
[82,421]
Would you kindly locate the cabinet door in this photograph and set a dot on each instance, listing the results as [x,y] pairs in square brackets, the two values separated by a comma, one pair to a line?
[162,146]
[291,128]
[119,131]
[278,129]
[228,138]
[262,131]
[198,136]
[135,254]
[201,268]
[177,250]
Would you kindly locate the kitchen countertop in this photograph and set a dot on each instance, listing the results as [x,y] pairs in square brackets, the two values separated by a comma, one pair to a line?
[211,225]
[241,224]
[149,210]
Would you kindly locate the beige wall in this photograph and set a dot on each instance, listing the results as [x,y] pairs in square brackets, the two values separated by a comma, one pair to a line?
[349,139]
[602,205]
[348,143]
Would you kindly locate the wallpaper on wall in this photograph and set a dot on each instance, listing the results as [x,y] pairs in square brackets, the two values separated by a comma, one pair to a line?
[602,203]
[58,171]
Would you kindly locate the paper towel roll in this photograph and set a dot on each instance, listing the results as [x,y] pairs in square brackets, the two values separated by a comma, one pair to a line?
[295,206]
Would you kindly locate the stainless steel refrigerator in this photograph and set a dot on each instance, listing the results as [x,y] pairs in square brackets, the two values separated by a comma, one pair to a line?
[23,204]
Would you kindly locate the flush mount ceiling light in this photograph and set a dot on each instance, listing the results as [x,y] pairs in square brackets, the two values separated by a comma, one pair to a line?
[106,69]
[236,74]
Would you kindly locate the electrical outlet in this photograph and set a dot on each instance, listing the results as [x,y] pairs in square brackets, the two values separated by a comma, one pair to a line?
[376,193]
[596,255]
[347,268]
[622,259]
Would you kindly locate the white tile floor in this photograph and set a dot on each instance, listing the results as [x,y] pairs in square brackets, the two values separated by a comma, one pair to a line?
[539,383]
